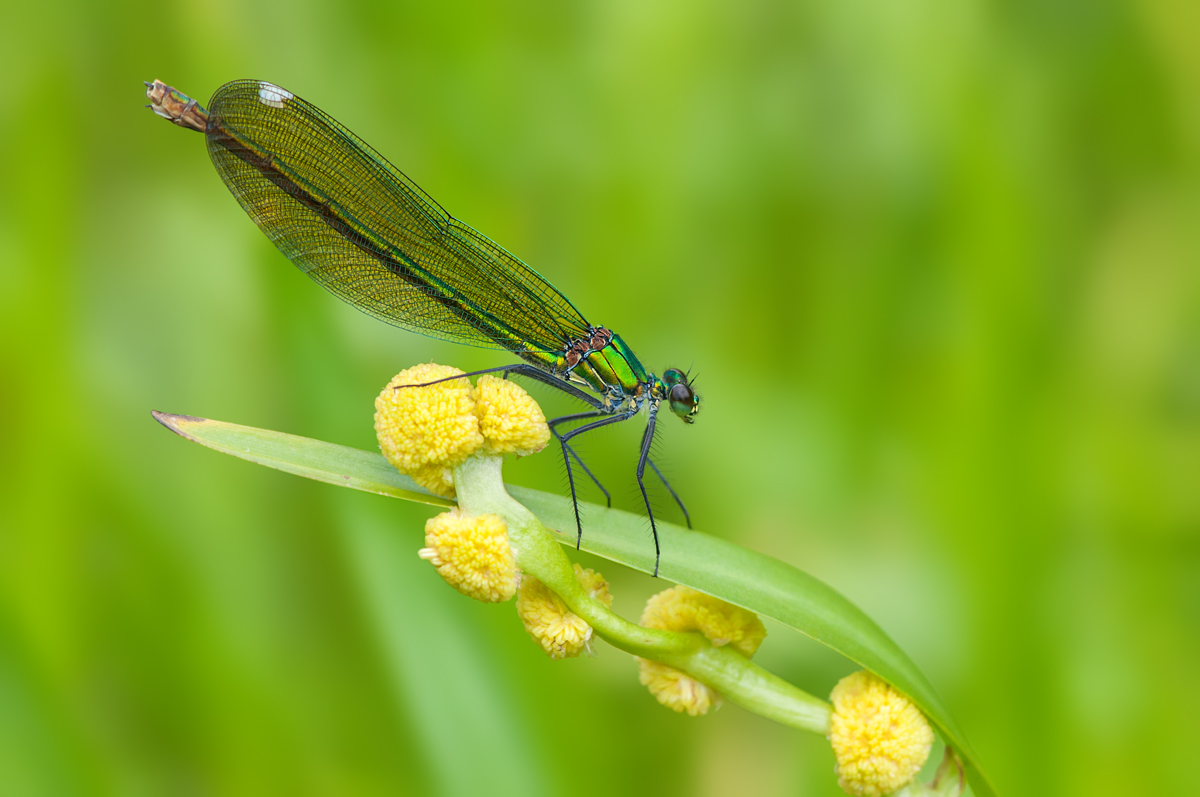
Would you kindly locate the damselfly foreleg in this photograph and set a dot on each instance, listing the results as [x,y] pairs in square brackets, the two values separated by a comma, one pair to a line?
[671,490]
[525,369]
[578,417]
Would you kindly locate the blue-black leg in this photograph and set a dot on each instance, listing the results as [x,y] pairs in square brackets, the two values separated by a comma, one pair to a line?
[558,383]
[578,417]
[565,441]
[674,495]
[525,369]
[647,439]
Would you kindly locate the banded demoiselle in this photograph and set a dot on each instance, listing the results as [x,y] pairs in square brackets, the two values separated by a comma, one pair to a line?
[358,226]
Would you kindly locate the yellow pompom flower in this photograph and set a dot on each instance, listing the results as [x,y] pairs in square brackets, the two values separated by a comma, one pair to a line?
[510,420]
[561,633]
[426,431]
[676,690]
[472,554]
[880,739]
[684,609]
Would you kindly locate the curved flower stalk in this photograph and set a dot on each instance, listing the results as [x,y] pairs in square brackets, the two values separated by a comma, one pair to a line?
[695,641]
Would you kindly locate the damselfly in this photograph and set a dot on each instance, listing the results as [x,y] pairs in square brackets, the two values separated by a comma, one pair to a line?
[355,224]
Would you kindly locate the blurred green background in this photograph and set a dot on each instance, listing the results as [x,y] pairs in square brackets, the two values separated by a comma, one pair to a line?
[935,262]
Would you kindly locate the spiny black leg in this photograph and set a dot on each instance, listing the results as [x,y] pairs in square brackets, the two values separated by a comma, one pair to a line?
[671,490]
[579,416]
[505,368]
[566,452]
[564,440]
[647,439]
[524,369]
[592,476]
[558,383]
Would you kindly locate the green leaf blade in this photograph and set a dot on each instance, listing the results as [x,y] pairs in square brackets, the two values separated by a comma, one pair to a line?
[776,589]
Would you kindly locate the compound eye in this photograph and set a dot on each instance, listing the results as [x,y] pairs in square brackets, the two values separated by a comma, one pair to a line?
[683,401]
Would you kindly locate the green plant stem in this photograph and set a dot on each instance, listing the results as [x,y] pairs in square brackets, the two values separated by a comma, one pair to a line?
[480,489]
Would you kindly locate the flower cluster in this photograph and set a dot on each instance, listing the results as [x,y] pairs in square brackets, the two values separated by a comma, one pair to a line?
[427,431]
[510,421]
[472,554]
[684,609]
[880,739]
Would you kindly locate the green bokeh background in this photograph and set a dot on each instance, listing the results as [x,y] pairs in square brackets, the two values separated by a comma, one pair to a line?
[935,262]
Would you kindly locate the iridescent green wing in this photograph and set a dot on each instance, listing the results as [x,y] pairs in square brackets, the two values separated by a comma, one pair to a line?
[355,224]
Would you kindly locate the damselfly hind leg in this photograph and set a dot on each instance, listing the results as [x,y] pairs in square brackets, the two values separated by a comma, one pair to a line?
[524,369]
[538,375]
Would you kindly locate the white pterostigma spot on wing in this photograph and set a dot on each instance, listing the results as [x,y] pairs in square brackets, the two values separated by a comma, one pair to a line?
[270,94]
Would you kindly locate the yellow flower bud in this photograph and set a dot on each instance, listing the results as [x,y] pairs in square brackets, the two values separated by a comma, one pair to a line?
[472,554]
[561,633]
[684,609]
[426,431]
[510,420]
[880,739]
[677,691]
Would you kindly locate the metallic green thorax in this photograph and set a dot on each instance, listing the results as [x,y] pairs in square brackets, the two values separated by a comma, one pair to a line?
[614,370]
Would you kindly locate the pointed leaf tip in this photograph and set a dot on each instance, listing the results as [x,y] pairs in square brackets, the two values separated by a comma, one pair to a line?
[178,423]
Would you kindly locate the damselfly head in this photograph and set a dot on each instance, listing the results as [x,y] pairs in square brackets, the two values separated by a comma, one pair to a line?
[685,402]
